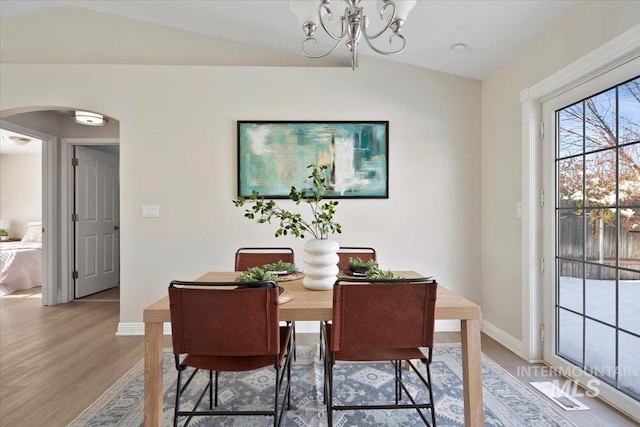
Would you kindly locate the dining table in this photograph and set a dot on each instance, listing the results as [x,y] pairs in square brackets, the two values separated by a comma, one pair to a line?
[312,305]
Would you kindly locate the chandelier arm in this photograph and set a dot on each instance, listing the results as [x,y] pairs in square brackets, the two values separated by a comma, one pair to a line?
[386,27]
[393,52]
[325,28]
[309,55]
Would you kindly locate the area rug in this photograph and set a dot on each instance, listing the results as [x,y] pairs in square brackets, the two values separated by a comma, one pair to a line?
[507,401]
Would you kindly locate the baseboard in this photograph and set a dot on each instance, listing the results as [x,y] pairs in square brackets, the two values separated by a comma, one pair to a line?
[503,338]
[137,328]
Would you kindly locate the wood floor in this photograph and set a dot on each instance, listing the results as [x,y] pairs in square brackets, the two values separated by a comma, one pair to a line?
[56,361]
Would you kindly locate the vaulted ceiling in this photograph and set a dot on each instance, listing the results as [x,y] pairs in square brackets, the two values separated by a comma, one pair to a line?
[493,31]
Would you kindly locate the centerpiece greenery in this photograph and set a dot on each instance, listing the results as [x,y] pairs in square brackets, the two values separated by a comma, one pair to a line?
[256,274]
[280,266]
[376,273]
[322,223]
[358,265]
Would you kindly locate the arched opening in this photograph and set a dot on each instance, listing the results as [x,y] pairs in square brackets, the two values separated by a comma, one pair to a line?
[62,136]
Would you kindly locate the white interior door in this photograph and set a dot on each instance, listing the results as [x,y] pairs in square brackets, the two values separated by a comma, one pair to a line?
[97,239]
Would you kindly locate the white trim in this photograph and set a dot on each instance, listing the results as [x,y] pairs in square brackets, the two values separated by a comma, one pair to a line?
[618,50]
[137,328]
[447,326]
[505,339]
[66,208]
[50,259]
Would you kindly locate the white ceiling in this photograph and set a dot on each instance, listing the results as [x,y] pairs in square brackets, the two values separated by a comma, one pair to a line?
[8,146]
[493,30]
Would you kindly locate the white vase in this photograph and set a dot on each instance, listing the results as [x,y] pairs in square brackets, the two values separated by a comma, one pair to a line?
[320,264]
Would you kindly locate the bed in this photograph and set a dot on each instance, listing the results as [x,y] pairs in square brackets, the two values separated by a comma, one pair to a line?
[21,262]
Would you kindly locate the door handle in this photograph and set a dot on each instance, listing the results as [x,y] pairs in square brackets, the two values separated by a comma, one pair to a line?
[116,227]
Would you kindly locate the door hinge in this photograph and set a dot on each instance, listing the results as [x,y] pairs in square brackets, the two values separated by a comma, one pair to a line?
[74,161]
[74,275]
[542,332]
[75,217]
[542,266]
[541,130]
[542,198]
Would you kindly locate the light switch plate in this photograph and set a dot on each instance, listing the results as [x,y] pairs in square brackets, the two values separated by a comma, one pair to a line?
[150,211]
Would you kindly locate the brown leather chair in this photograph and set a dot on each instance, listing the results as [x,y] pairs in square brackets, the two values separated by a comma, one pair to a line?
[346,252]
[382,320]
[228,329]
[257,257]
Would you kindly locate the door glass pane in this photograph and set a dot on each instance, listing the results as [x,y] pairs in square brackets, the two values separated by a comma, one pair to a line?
[571,233]
[600,121]
[570,188]
[630,177]
[630,365]
[570,130]
[629,104]
[570,285]
[570,336]
[601,242]
[600,350]
[628,302]
[601,294]
[600,178]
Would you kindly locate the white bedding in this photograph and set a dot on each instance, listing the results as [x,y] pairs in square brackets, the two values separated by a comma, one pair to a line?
[20,266]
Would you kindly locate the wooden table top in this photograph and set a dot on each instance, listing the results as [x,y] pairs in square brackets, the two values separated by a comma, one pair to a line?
[310,305]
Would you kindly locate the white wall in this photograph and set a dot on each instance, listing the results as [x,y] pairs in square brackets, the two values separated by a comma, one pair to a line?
[20,190]
[178,150]
[588,26]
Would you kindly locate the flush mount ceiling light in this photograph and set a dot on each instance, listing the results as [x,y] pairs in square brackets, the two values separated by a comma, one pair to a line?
[90,119]
[352,25]
[18,140]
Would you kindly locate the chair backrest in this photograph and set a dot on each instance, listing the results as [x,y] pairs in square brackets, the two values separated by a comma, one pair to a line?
[218,319]
[346,252]
[257,257]
[385,313]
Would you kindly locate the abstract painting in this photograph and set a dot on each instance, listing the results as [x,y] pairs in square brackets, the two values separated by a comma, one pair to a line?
[273,156]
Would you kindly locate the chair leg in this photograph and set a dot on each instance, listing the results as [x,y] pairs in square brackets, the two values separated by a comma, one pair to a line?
[276,414]
[321,340]
[177,405]
[329,389]
[210,390]
[430,388]
[293,334]
[216,389]
[396,379]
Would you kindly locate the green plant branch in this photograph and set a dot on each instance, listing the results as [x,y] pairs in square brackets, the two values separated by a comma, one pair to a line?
[263,211]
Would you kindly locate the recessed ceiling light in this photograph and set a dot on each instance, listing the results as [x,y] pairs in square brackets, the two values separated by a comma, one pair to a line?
[459,48]
[90,119]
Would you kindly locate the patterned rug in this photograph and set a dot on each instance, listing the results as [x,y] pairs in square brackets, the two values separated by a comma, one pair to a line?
[507,401]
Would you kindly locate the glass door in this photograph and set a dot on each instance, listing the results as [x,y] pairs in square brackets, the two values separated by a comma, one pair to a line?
[592,235]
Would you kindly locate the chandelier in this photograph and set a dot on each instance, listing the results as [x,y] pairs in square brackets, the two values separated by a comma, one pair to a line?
[352,25]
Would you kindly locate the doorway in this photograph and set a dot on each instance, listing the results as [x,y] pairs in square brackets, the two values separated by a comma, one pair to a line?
[59,133]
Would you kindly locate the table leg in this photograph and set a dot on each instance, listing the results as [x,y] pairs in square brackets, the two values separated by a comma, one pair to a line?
[153,345]
[472,373]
